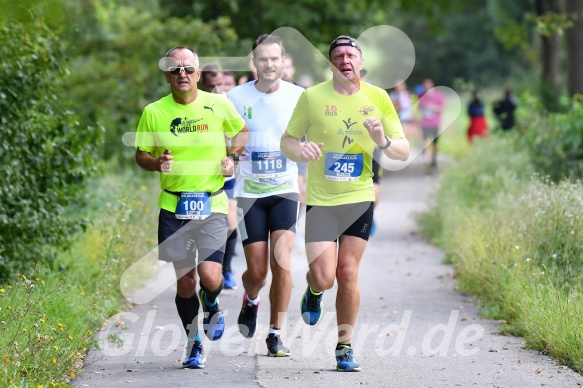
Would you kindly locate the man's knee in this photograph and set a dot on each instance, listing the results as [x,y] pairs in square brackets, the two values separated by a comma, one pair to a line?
[257,274]
[347,275]
[211,274]
[321,280]
[186,284]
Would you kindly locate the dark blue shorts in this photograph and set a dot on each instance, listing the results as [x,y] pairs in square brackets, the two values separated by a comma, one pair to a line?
[229,188]
[264,215]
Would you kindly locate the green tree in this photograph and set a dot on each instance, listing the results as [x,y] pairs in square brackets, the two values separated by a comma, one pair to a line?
[552,21]
[574,43]
[459,47]
[548,16]
[114,48]
[319,21]
[46,153]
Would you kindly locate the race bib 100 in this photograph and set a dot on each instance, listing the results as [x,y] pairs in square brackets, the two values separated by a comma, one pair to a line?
[193,206]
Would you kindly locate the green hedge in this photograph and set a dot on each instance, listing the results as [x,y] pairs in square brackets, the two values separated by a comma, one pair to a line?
[46,154]
[554,140]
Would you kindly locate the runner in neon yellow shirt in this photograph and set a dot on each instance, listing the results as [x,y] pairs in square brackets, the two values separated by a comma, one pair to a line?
[344,174]
[182,136]
[194,135]
[343,120]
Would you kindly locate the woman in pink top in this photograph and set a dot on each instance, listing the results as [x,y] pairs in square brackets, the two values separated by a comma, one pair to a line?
[431,104]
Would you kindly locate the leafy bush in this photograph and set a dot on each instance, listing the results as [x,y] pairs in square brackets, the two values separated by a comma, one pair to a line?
[46,154]
[555,140]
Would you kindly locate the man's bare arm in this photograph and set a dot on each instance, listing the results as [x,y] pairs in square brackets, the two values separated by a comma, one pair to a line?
[239,140]
[298,151]
[150,163]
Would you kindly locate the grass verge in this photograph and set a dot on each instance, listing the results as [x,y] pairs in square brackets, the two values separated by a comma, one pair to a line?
[514,239]
[48,315]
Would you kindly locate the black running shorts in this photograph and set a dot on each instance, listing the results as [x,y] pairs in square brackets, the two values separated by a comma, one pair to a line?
[264,215]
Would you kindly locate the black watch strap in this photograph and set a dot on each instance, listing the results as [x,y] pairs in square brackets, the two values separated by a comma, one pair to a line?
[388,143]
[235,158]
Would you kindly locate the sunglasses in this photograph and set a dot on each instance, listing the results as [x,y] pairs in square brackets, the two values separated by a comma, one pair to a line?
[179,69]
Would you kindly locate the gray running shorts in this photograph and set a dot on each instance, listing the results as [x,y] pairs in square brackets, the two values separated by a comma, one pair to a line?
[181,240]
[326,223]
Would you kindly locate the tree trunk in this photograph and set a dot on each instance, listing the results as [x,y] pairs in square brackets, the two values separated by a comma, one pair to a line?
[574,43]
[550,58]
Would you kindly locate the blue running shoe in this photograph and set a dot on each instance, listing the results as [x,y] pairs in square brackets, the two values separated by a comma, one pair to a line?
[230,283]
[213,321]
[345,360]
[196,358]
[311,307]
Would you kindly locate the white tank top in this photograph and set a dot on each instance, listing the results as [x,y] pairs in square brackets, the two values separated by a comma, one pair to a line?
[264,170]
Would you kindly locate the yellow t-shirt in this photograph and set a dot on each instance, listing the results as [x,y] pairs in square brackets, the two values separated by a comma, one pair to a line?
[195,135]
[344,173]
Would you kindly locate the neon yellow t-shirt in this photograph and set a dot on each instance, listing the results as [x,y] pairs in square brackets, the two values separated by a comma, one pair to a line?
[343,175]
[195,135]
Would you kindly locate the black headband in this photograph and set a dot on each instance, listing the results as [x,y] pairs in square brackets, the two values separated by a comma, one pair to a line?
[351,43]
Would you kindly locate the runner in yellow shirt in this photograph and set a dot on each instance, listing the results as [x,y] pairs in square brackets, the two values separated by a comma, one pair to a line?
[343,119]
[182,136]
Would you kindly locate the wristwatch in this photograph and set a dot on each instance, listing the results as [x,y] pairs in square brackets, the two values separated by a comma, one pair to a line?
[388,143]
[235,158]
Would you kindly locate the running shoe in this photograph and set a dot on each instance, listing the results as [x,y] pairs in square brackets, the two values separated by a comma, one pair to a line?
[248,318]
[345,361]
[230,283]
[213,321]
[275,347]
[311,307]
[196,358]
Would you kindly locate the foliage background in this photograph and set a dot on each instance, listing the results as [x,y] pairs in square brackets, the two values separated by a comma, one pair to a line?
[46,152]
[75,76]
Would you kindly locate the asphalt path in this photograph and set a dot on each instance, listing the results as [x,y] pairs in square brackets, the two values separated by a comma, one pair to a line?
[414,328]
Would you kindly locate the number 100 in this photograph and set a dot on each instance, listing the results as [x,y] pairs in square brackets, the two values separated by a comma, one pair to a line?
[193,206]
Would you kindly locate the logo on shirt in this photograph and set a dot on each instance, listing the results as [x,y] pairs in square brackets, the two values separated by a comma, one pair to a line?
[210,108]
[184,125]
[331,110]
[366,110]
[248,112]
[348,124]
[347,140]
